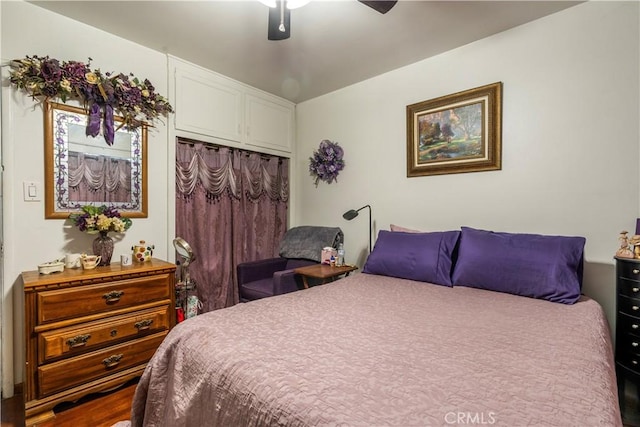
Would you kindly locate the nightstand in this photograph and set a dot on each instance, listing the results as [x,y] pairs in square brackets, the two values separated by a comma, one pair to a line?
[323,272]
[627,323]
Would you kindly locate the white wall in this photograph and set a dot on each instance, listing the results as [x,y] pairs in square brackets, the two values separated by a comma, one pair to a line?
[570,140]
[29,238]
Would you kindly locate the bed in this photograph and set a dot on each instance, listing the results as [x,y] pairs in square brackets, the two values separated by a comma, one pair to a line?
[375,349]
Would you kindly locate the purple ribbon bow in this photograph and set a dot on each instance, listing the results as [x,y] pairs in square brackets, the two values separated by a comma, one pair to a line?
[109,131]
[93,125]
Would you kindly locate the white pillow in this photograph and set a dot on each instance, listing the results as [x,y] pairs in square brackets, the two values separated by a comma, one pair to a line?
[404,229]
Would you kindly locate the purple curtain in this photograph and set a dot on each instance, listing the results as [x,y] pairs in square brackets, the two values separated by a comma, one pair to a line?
[97,178]
[231,206]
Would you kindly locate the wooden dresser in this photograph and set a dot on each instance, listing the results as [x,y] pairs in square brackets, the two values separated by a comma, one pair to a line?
[91,331]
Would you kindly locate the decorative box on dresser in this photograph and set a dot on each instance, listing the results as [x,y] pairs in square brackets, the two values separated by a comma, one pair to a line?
[91,331]
[627,323]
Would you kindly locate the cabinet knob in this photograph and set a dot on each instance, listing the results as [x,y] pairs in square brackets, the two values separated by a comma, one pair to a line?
[78,340]
[636,271]
[635,308]
[634,326]
[635,362]
[634,344]
[143,324]
[112,361]
[635,289]
[113,296]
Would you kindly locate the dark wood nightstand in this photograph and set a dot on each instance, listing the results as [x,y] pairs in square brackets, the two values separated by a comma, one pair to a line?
[627,323]
[324,272]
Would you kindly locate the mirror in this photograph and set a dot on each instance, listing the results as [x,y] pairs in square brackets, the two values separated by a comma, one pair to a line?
[82,170]
[184,250]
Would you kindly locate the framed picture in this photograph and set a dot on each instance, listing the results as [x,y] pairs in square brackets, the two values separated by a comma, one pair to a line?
[456,133]
[82,170]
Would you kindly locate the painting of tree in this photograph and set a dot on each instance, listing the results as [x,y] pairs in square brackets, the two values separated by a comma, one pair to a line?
[451,133]
[458,132]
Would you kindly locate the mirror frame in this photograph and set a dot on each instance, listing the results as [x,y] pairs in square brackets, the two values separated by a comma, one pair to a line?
[57,117]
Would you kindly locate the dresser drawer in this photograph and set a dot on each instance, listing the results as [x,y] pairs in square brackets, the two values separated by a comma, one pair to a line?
[628,305]
[630,288]
[76,340]
[81,301]
[629,344]
[629,270]
[630,361]
[628,324]
[83,369]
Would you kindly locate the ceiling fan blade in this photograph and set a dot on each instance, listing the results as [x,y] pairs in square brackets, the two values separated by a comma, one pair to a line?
[382,6]
[276,19]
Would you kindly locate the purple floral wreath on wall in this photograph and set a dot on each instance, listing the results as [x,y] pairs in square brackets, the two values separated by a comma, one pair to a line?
[326,162]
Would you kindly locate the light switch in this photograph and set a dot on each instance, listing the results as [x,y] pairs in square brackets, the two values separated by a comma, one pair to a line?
[31,190]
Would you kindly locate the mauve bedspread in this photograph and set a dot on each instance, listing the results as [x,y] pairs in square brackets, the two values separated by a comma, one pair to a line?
[376,351]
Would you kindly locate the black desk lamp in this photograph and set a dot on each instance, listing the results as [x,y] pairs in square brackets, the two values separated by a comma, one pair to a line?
[349,215]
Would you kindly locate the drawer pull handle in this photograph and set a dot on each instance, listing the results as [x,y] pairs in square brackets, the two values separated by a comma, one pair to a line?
[78,341]
[113,296]
[112,361]
[143,324]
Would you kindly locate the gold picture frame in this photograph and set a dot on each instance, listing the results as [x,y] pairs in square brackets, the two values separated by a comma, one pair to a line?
[65,137]
[456,133]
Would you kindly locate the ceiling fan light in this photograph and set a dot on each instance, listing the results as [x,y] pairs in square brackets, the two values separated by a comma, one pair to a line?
[270,3]
[294,4]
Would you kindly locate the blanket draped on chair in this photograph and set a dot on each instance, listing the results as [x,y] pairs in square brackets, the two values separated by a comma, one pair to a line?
[307,241]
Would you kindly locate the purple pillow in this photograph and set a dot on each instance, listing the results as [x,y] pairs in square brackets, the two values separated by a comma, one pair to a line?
[425,257]
[531,265]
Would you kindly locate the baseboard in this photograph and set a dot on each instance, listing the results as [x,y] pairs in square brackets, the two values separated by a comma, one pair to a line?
[17,390]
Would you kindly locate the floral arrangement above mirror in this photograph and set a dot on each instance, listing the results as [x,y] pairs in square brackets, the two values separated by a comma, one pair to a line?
[326,162]
[102,94]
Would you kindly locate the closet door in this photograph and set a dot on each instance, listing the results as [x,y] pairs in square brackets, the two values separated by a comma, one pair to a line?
[269,122]
[208,104]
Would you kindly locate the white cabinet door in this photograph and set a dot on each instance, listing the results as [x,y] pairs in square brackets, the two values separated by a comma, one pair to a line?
[208,104]
[269,122]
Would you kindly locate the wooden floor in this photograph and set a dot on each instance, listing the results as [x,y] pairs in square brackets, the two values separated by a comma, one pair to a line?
[100,410]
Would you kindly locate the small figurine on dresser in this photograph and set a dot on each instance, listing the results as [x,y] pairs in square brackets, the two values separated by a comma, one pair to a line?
[634,241]
[624,251]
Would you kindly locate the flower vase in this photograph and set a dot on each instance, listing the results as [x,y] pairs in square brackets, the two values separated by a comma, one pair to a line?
[103,246]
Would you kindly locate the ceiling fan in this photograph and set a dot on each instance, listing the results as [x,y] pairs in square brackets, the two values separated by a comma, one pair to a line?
[280,14]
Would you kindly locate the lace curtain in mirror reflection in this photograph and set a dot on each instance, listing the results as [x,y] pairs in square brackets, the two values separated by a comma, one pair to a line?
[83,170]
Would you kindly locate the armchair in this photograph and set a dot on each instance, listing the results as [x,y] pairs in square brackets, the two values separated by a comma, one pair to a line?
[269,277]
[300,246]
